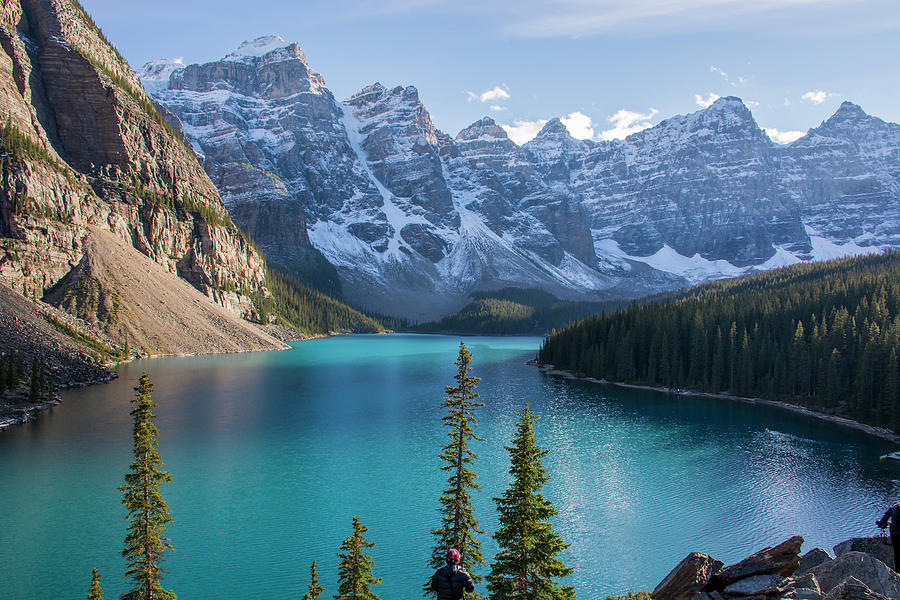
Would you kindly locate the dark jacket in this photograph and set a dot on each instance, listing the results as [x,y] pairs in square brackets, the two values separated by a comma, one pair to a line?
[892,515]
[450,581]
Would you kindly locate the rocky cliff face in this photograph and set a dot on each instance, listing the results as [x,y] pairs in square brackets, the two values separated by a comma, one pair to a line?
[413,218]
[83,148]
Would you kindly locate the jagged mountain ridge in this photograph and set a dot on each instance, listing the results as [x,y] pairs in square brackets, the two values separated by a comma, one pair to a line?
[87,158]
[414,219]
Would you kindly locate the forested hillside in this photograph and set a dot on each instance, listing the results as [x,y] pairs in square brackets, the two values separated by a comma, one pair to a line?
[822,335]
[308,310]
[514,311]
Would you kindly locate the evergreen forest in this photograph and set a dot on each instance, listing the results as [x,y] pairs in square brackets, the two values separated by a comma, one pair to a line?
[308,310]
[825,336]
[514,311]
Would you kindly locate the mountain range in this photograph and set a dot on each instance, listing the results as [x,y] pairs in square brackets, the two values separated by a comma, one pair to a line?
[414,220]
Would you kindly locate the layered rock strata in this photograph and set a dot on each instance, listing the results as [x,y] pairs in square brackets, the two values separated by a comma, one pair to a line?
[85,149]
[412,217]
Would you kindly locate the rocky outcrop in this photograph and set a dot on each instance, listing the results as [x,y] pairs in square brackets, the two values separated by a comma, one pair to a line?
[688,578]
[782,560]
[780,573]
[876,546]
[877,576]
[412,217]
[85,149]
[812,559]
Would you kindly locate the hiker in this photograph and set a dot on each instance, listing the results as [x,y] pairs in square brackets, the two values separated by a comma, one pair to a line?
[451,581]
[893,515]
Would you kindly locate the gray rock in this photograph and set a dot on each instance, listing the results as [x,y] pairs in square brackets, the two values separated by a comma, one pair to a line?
[805,594]
[870,545]
[853,589]
[478,211]
[755,585]
[813,558]
[688,577]
[781,559]
[806,581]
[869,570]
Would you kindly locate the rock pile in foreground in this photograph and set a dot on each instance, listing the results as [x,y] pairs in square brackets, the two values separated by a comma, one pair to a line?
[858,571]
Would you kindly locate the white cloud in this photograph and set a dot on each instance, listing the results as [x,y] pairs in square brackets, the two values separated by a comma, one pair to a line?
[626,122]
[497,107]
[580,126]
[706,102]
[751,103]
[492,95]
[715,69]
[787,102]
[524,131]
[783,137]
[817,97]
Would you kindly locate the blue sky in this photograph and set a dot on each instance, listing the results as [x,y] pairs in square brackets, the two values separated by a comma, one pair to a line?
[608,67]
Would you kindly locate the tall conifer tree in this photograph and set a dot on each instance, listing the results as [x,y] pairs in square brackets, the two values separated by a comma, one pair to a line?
[458,523]
[148,512]
[314,587]
[96,592]
[355,577]
[526,565]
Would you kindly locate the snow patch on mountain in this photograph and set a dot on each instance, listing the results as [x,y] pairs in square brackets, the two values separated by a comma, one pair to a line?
[825,249]
[155,74]
[257,48]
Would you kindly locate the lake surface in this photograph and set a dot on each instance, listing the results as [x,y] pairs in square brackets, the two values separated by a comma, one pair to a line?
[272,454]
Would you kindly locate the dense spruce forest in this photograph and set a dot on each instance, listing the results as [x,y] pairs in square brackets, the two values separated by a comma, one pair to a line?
[822,335]
[308,310]
[514,311]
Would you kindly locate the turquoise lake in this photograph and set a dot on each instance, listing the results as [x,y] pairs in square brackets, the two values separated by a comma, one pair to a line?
[272,454]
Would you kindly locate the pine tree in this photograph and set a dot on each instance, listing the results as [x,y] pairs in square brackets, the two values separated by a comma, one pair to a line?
[526,565]
[314,588]
[36,384]
[96,592]
[458,523]
[355,577]
[148,512]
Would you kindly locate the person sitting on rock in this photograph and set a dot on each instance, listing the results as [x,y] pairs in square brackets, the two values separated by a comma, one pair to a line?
[893,515]
[451,581]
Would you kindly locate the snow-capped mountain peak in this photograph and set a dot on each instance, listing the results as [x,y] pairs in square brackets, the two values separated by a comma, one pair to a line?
[485,128]
[155,74]
[258,47]
[414,220]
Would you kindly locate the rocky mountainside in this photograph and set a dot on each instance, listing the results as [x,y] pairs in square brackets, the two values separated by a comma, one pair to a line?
[414,219]
[87,158]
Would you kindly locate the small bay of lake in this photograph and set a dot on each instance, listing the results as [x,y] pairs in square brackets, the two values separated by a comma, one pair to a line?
[272,454]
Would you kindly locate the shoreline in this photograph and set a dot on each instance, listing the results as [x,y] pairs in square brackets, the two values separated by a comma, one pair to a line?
[878,432]
[23,413]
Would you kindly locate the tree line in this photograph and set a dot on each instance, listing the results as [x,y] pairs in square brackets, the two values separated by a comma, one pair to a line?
[514,311]
[526,567]
[12,377]
[822,335]
[306,309]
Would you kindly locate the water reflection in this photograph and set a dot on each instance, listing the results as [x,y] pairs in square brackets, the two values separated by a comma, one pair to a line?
[273,453]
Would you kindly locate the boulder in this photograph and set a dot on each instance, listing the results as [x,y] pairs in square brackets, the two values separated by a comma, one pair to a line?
[781,560]
[877,576]
[812,559]
[870,545]
[806,581]
[853,589]
[689,577]
[804,594]
[755,585]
